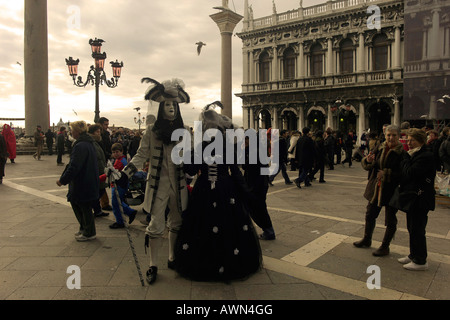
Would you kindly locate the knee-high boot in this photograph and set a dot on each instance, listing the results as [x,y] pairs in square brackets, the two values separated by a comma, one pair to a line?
[383,250]
[366,241]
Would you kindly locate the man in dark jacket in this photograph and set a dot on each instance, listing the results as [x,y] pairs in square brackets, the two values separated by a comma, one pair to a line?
[330,143]
[49,136]
[283,152]
[106,146]
[349,144]
[305,156]
[60,145]
[83,178]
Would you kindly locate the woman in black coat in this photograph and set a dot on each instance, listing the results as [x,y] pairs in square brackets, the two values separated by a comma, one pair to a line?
[416,196]
[82,176]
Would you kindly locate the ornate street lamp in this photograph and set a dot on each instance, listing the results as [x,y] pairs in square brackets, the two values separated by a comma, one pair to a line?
[96,75]
[139,121]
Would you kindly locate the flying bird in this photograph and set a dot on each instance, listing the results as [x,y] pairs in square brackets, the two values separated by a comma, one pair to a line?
[18,63]
[75,112]
[200,44]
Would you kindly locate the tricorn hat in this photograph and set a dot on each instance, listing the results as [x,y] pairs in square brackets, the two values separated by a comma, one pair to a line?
[168,90]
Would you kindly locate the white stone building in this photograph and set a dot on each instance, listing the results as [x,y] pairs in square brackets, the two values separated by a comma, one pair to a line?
[329,65]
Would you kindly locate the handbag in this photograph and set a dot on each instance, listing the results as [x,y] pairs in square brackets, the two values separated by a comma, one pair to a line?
[404,200]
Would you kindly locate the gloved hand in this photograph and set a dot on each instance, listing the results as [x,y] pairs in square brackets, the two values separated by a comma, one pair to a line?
[122,181]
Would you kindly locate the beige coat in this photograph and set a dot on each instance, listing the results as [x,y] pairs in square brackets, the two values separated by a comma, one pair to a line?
[159,155]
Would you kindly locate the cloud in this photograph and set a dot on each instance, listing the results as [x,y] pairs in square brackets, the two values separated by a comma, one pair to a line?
[153,38]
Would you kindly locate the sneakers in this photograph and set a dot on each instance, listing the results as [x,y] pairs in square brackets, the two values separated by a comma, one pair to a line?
[408,264]
[82,238]
[416,267]
[404,260]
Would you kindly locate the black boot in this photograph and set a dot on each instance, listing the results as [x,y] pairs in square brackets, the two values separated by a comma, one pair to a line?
[151,274]
[383,250]
[366,241]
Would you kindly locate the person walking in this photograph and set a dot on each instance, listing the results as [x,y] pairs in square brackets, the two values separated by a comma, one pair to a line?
[292,147]
[305,155]
[349,144]
[38,142]
[416,196]
[10,140]
[106,146]
[330,144]
[321,157]
[82,176]
[3,157]
[283,153]
[60,145]
[384,176]
[49,138]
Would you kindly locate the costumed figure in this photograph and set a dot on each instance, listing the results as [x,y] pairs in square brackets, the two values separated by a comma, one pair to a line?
[166,186]
[10,138]
[217,240]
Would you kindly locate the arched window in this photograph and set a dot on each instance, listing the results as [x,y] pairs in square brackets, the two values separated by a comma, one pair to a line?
[316,60]
[346,56]
[380,52]
[289,63]
[264,67]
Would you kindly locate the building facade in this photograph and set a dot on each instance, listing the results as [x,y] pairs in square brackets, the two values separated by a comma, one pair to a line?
[335,65]
[427,61]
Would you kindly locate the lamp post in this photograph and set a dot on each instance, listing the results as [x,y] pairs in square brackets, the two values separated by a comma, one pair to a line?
[96,75]
[139,121]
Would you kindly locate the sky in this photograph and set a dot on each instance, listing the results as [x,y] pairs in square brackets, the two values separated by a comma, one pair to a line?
[153,38]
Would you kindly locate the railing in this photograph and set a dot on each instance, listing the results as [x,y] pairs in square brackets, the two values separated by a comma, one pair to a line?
[324,81]
[308,12]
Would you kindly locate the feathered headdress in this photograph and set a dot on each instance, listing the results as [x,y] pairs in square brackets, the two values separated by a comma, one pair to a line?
[213,120]
[167,90]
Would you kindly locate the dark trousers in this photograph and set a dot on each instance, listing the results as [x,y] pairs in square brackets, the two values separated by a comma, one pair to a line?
[259,212]
[416,222]
[96,205]
[373,211]
[282,168]
[83,213]
[50,148]
[318,167]
[303,174]
[348,157]
[60,154]
[2,167]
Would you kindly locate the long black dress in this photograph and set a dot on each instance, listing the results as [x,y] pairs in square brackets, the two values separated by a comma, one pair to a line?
[217,240]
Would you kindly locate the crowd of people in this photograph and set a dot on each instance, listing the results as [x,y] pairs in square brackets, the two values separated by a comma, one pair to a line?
[210,225]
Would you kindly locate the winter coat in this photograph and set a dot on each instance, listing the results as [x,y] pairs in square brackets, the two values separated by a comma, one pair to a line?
[82,171]
[380,192]
[293,145]
[3,150]
[418,174]
[61,141]
[100,158]
[10,140]
[305,152]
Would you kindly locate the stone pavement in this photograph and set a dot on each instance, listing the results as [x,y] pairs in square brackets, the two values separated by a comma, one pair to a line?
[312,258]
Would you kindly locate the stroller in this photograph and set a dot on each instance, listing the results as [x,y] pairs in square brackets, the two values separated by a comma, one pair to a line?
[136,190]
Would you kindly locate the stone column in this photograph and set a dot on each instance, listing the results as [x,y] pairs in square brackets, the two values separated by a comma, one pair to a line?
[361,58]
[301,61]
[397,50]
[329,117]
[226,20]
[252,118]
[36,66]
[330,68]
[361,121]
[275,118]
[435,48]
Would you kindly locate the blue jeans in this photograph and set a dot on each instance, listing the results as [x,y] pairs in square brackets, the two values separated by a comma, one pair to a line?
[115,204]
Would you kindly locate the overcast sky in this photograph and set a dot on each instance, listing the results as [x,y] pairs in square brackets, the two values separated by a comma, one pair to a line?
[154,38]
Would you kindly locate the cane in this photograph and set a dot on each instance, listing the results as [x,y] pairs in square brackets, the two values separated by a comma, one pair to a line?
[130,240]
